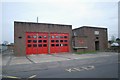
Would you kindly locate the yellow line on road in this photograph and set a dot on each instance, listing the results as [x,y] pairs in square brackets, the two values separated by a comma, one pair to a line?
[11,77]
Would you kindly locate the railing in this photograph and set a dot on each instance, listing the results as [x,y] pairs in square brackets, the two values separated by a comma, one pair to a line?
[3,48]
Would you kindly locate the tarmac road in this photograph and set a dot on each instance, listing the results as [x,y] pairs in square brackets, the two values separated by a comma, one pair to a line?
[100,67]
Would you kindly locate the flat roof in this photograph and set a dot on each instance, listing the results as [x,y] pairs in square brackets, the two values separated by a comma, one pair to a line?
[90,27]
[41,23]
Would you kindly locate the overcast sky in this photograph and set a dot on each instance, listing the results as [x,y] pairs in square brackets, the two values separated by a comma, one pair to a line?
[74,12]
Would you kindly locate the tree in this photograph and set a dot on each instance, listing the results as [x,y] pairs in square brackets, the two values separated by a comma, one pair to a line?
[118,40]
[5,43]
[113,39]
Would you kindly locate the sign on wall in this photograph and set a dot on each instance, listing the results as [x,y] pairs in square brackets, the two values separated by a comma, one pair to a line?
[81,41]
[96,32]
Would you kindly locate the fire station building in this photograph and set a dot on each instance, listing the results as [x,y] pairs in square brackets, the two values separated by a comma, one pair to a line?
[41,38]
[88,38]
[45,38]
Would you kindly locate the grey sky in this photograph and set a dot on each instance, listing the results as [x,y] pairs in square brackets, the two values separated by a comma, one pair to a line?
[73,12]
[119,20]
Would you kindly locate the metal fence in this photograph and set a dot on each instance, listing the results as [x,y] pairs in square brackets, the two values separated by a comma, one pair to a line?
[3,48]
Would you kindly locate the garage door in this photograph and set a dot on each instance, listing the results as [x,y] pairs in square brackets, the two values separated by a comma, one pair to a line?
[37,43]
[59,43]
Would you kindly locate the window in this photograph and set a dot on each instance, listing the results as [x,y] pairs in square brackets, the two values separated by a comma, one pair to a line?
[45,36]
[61,36]
[65,36]
[52,40]
[57,36]
[29,36]
[61,44]
[65,40]
[34,36]
[44,40]
[52,37]
[57,40]
[29,41]
[34,45]
[39,36]
[35,41]
[52,44]
[39,41]
[39,45]
[19,37]
[29,45]
[44,45]
[65,44]
[61,40]
[75,34]
[97,37]
[57,44]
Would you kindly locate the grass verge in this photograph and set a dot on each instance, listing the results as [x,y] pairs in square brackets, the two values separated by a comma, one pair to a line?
[87,52]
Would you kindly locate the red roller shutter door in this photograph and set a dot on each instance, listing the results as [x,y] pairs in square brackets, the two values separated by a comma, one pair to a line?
[59,42]
[54,43]
[29,43]
[37,42]
[64,46]
[42,43]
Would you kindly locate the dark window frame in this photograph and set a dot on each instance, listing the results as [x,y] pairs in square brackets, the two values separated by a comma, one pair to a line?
[52,40]
[40,41]
[52,36]
[52,45]
[65,44]
[29,45]
[44,41]
[61,40]
[57,44]
[61,37]
[29,36]
[65,40]
[65,37]
[57,41]
[29,41]
[39,36]
[39,45]
[34,41]
[57,37]
[61,45]
[44,45]
[45,36]
[34,45]
[34,36]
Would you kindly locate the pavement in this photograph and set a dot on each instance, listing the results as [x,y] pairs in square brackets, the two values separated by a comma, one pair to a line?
[9,59]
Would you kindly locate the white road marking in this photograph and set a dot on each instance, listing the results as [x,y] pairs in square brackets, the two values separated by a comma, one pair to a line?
[85,68]
[80,68]
[70,70]
[88,67]
[32,76]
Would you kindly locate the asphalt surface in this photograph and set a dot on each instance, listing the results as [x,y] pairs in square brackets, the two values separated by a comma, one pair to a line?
[100,67]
